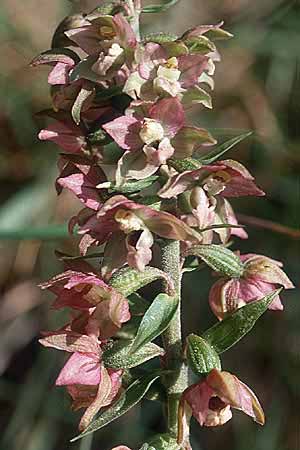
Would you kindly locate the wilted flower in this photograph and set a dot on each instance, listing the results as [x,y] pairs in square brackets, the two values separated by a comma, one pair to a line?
[210,401]
[261,276]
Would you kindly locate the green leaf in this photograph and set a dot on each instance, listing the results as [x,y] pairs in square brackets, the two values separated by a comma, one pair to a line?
[227,333]
[201,357]
[156,319]
[120,355]
[219,258]
[128,280]
[159,8]
[220,150]
[85,93]
[133,394]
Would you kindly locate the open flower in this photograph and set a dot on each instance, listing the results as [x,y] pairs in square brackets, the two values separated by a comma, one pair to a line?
[261,276]
[62,62]
[210,401]
[108,40]
[160,73]
[89,383]
[136,222]
[106,308]
[154,137]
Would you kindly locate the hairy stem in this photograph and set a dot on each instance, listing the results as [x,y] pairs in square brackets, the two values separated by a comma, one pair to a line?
[134,7]
[172,338]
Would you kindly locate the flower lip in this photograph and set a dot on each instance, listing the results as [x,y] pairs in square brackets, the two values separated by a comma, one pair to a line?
[128,221]
[151,131]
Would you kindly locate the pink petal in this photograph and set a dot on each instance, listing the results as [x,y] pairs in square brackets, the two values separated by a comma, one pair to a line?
[125,33]
[69,137]
[170,113]
[125,132]
[80,368]
[60,74]
[71,342]
[191,66]
[139,253]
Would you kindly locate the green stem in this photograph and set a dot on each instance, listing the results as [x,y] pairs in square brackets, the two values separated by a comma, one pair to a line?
[172,338]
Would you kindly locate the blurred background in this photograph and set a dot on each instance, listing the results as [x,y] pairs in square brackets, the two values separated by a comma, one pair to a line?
[258,88]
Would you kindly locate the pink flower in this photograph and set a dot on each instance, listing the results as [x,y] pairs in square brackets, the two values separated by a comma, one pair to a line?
[226,178]
[63,62]
[160,73]
[89,383]
[261,276]
[102,31]
[107,309]
[136,222]
[210,401]
[150,138]
[81,176]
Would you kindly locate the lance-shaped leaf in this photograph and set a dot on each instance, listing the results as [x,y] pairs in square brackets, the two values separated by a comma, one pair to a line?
[129,398]
[156,319]
[159,38]
[160,8]
[227,333]
[128,280]
[201,356]
[121,357]
[221,149]
[219,258]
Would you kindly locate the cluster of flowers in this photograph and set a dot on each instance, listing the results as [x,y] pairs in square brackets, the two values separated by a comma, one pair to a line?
[128,154]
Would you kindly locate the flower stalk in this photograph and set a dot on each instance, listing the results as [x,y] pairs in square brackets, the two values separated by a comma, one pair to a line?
[177,382]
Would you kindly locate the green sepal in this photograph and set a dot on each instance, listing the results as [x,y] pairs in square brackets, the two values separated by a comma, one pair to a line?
[119,356]
[219,258]
[227,333]
[133,186]
[201,356]
[200,44]
[128,280]
[159,38]
[156,320]
[129,398]
[181,165]
[221,149]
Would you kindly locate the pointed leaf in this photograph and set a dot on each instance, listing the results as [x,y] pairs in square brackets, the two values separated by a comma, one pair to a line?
[129,280]
[219,258]
[201,357]
[227,333]
[221,149]
[156,319]
[121,357]
[133,394]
